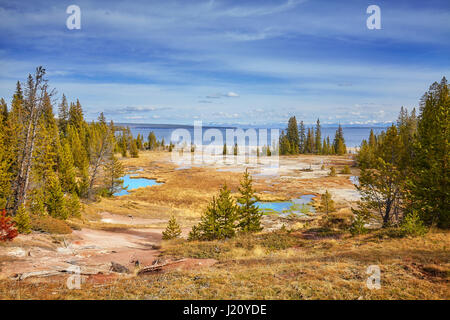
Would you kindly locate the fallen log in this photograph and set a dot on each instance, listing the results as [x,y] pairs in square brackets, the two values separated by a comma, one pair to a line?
[49,273]
[157,267]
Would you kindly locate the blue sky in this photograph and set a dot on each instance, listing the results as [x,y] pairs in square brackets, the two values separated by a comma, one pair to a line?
[230,62]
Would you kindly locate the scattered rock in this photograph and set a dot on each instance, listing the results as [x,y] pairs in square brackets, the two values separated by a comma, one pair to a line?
[116,267]
[16,252]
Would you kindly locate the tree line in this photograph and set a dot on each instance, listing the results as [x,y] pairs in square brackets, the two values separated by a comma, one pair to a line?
[300,140]
[405,170]
[49,163]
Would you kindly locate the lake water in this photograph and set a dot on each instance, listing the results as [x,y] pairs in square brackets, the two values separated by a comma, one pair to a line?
[296,206]
[353,135]
[134,183]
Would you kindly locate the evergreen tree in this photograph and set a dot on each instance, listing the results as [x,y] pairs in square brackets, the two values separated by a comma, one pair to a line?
[55,202]
[63,116]
[285,145]
[235,149]
[66,169]
[326,203]
[22,220]
[339,142]
[73,205]
[83,182]
[173,229]
[249,213]
[36,202]
[134,151]
[224,151]
[318,137]
[151,141]
[372,139]
[5,159]
[219,219]
[292,135]
[302,138]
[430,173]
[76,117]
[113,174]
[381,182]
[310,141]
[36,94]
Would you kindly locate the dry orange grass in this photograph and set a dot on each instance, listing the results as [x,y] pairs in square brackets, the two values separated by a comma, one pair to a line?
[278,266]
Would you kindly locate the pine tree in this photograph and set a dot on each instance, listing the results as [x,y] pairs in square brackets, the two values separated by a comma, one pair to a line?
[292,135]
[309,141]
[224,151]
[101,146]
[134,151]
[22,220]
[381,183]
[73,205]
[249,213]
[285,145]
[339,142]
[173,229]
[194,234]
[55,202]
[83,182]
[63,116]
[302,138]
[219,219]
[326,203]
[113,173]
[36,202]
[5,159]
[151,141]
[76,117]
[430,179]
[372,139]
[235,149]
[318,137]
[36,94]
[66,169]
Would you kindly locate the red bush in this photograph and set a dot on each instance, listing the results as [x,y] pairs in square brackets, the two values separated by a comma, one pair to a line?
[7,230]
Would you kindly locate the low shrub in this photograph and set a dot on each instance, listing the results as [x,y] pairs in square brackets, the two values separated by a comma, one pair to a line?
[412,225]
[346,170]
[357,226]
[7,229]
[49,224]
[332,172]
[172,231]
